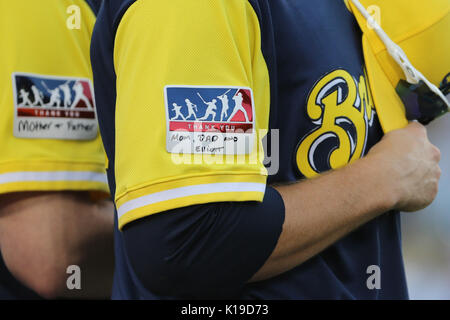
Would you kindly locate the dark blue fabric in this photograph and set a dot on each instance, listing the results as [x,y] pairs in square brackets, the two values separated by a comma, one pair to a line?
[95,5]
[204,251]
[302,41]
[125,285]
[311,40]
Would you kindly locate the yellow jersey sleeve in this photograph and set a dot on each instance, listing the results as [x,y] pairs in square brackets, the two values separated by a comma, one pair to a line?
[193,100]
[48,129]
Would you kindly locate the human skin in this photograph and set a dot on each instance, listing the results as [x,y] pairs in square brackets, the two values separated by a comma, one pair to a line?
[42,233]
[401,172]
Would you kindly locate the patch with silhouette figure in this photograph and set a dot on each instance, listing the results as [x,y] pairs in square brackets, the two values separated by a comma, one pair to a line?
[54,107]
[209,120]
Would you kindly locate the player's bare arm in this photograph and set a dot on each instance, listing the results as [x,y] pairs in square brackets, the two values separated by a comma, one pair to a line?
[401,172]
[42,233]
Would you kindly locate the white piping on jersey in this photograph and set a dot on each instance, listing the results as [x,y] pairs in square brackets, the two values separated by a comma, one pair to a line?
[51,176]
[182,192]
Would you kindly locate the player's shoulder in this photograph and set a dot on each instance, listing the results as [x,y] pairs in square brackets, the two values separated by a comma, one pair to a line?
[113,12]
[94,5]
[119,7]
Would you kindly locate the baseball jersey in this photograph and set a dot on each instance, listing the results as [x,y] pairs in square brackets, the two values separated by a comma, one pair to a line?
[207,101]
[48,129]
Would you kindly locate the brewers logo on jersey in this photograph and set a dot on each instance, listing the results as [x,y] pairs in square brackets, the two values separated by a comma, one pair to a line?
[50,107]
[341,108]
[209,120]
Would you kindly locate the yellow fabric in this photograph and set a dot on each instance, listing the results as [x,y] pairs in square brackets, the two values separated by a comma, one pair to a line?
[184,201]
[35,39]
[328,111]
[200,43]
[421,29]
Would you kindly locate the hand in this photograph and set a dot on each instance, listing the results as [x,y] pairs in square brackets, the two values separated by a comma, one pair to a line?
[409,165]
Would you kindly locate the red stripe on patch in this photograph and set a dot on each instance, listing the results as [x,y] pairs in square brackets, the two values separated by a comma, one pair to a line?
[223,127]
[50,113]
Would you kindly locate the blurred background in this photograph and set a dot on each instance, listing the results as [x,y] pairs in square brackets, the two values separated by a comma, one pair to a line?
[426,234]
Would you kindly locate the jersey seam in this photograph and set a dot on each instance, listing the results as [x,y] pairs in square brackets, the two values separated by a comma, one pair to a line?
[117,22]
[91,8]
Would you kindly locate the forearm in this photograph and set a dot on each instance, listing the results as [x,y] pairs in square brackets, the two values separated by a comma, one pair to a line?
[41,234]
[320,211]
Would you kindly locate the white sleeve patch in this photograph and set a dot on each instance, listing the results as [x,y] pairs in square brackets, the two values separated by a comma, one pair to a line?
[210,120]
[53,107]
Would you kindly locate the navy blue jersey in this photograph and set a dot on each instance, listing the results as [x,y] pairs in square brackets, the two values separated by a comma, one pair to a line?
[313,86]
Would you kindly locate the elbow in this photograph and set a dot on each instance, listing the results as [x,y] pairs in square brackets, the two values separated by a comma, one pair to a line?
[46,277]
[44,274]
[48,290]
[50,283]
